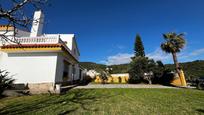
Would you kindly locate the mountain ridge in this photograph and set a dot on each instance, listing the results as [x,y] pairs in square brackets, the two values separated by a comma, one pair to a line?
[192,69]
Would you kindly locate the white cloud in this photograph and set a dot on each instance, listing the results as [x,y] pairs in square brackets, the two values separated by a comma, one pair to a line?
[158,54]
[197,52]
[120,58]
[120,47]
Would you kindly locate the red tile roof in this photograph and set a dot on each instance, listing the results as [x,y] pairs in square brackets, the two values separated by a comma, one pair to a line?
[31,46]
[38,46]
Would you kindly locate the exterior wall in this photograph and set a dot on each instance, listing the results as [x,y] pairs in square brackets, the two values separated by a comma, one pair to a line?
[60,68]
[119,78]
[21,33]
[68,38]
[70,73]
[37,88]
[40,69]
[32,67]
[75,51]
[179,79]
[70,42]
[37,25]
[76,77]
[10,34]
[120,74]
[114,78]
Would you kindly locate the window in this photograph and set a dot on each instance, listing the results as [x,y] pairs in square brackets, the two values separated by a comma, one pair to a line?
[65,76]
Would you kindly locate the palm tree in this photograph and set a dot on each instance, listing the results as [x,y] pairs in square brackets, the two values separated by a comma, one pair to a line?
[173,44]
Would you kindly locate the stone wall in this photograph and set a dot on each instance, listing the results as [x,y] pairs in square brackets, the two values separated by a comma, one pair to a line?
[37,88]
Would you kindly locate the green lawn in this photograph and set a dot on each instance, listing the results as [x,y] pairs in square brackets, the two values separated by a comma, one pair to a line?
[109,102]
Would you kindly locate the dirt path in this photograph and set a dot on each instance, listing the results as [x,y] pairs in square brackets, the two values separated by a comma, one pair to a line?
[89,86]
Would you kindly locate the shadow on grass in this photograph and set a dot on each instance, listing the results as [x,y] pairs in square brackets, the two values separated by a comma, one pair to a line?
[72,100]
[200,110]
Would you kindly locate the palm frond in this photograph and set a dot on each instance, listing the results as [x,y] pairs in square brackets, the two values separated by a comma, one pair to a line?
[173,42]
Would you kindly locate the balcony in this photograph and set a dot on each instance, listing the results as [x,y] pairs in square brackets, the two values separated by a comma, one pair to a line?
[39,40]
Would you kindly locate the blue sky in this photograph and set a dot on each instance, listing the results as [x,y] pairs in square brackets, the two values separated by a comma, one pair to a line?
[106,29]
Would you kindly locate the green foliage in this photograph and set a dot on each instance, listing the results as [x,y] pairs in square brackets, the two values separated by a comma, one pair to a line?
[103,76]
[173,42]
[5,81]
[139,48]
[137,69]
[93,66]
[192,70]
[118,101]
[141,65]
[122,68]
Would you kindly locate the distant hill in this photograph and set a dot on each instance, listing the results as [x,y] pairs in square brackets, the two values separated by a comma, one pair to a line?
[192,69]
[122,68]
[91,65]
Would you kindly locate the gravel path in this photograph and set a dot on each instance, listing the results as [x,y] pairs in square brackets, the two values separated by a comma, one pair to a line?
[90,86]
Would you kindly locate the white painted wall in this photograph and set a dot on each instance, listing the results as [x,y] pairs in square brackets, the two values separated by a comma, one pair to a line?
[39,67]
[37,25]
[76,77]
[75,50]
[21,33]
[10,35]
[30,67]
[71,43]
[59,69]
[120,75]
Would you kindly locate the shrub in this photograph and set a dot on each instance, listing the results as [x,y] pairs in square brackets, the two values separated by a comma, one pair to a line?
[6,81]
[104,77]
[141,67]
[167,77]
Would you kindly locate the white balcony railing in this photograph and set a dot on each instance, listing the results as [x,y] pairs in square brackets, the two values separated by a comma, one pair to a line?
[39,40]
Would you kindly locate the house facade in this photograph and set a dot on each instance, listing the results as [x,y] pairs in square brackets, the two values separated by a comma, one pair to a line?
[40,61]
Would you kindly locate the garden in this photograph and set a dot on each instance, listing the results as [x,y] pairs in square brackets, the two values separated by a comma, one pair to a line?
[108,101]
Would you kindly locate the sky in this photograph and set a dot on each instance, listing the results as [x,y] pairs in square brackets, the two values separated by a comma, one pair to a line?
[106,29]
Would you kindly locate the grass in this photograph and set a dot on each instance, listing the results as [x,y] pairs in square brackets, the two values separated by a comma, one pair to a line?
[108,102]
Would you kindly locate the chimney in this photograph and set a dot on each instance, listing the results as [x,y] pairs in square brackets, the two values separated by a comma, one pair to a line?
[37,25]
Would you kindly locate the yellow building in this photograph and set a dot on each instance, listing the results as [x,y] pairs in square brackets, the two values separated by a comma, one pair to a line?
[179,79]
[114,78]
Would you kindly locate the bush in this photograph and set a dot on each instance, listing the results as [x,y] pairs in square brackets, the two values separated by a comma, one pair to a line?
[166,78]
[103,76]
[6,81]
[140,65]
[137,69]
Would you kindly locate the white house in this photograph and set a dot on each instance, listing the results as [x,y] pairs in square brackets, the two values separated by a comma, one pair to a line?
[40,60]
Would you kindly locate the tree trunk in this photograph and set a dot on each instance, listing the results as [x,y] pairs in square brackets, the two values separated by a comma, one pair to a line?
[150,82]
[176,62]
[177,67]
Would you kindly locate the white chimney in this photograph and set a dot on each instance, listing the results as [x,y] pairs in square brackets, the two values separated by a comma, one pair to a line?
[37,25]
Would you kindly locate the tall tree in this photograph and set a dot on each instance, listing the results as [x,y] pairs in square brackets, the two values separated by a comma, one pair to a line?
[139,48]
[173,44]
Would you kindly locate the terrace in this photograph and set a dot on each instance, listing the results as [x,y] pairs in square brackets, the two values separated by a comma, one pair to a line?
[35,42]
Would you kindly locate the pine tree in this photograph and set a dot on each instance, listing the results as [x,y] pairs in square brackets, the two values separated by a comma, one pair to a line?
[139,48]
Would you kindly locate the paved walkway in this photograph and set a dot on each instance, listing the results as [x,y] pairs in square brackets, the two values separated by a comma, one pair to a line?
[90,86]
